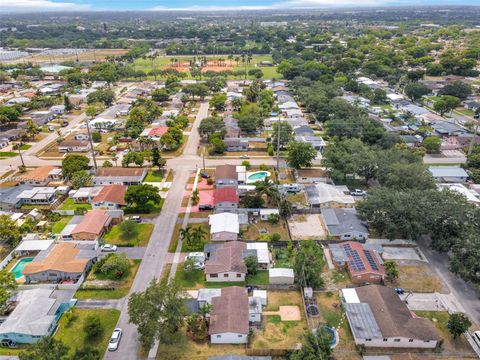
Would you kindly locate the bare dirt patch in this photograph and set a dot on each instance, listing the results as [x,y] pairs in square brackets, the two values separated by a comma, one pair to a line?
[307,227]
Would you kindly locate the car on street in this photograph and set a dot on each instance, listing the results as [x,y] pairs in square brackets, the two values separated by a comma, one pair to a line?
[358,192]
[205,207]
[115,339]
[204,175]
[108,248]
[244,157]
[126,151]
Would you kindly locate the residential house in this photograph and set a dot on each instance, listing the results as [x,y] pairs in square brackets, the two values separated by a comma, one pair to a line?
[445,128]
[84,194]
[265,214]
[472,105]
[225,198]
[227,263]
[74,146]
[41,176]
[61,261]
[311,176]
[448,174]
[38,196]
[9,197]
[281,276]
[229,317]
[224,226]
[236,144]
[380,319]
[41,117]
[81,136]
[316,141]
[321,195]
[35,315]
[471,195]
[363,262]
[119,175]
[344,224]
[92,226]
[110,197]
[226,175]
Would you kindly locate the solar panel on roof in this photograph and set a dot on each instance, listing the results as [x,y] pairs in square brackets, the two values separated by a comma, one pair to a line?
[370,260]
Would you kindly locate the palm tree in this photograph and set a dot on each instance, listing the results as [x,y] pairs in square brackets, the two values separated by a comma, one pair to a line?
[267,188]
[185,234]
[198,236]
[195,197]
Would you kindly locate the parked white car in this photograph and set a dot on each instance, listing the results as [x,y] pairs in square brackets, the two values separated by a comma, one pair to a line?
[108,248]
[198,258]
[358,192]
[115,339]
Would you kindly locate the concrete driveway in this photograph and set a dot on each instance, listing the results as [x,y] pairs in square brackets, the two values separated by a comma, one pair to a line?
[402,253]
[132,252]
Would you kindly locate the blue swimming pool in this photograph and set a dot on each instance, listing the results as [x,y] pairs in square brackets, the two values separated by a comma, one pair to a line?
[17,270]
[257,176]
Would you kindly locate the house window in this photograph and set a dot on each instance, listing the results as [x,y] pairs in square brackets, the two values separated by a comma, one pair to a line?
[410,340]
[219,336]
[214,275]
[225,275]
[396,340]
[368,339]
[239,275]
[426,341]
[239,335]
[385,339]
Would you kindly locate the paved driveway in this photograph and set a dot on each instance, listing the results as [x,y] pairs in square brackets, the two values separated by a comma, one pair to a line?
[132,252]
[401,253]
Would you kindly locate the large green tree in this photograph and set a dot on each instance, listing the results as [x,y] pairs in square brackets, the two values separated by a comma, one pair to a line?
[308,265]
[9,231]
[72,163]
[47,348]
[300,154]
[158,312]
[142,197]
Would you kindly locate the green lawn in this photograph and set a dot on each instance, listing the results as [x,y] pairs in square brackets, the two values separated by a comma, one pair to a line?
[194,279]
[156,208]
[74,336]
[60,224]
[464,111]
[25,147]
[69,204]
[269,72]
[154,176]
[120,290]
[114,236]
[261,278]
[7,154]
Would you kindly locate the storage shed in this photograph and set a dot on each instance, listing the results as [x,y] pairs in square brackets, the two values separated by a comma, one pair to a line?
[281,276]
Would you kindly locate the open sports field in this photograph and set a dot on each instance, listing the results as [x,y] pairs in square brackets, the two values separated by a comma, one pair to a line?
[214,63]
[86,55]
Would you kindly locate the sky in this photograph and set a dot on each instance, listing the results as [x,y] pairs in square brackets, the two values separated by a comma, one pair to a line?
[206,5]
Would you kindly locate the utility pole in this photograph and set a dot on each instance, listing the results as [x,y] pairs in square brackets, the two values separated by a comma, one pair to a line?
[278,142]
[91,144]
[203,158]
[472,142]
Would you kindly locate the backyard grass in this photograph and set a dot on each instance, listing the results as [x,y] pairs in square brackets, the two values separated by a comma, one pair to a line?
[74,336]
[156,209]
[121,287]
[260,278]
[418,278]
[277,334]
[440,320]
[69,204]
[58,226]
[194,279]
[182,348]
[253,231]
[154,176]
[115,237]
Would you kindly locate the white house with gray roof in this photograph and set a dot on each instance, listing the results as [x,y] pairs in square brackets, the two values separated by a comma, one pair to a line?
[448,174]
[344,224]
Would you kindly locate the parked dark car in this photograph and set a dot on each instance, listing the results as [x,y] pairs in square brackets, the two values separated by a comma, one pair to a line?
[204,175]
[205,207]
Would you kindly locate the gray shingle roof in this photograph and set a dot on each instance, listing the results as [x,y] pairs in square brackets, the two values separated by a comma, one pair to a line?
[341,221]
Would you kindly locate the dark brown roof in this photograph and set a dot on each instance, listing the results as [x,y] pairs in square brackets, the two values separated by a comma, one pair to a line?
[226,172]
[227,258]
[230,311]
[393,316]
[111,193]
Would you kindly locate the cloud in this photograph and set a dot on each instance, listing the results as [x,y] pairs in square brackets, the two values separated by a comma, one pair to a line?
[285,4]
[40,5]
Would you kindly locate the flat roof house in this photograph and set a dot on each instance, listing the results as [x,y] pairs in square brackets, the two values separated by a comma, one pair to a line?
[364,264]
[226,175]
[224,226]
[41,176]
[74,146]
[229,317]
[38,196]
[35,316]
[225,198]
[322,195]
[379,318]
[9,199]
[92,226]
[119,175]
[344,224]
[62,261]
[448,174]
[110,197]
[227,263]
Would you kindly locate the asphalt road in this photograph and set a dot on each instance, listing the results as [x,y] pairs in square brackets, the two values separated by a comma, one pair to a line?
[465,295]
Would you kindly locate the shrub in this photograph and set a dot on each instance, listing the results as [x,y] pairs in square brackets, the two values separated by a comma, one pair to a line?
[263,167]
[92,326]
[275,237]
[96,137]
[113,266]
[128,229]
[210,181]
[270,150]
